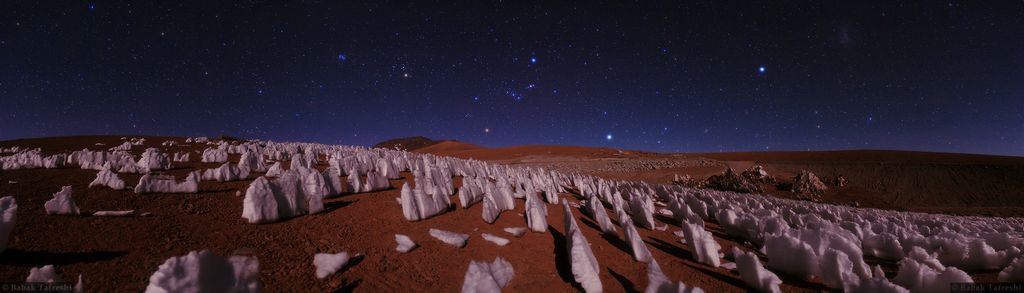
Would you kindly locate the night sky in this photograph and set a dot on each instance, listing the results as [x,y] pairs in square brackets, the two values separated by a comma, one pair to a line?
[656,75]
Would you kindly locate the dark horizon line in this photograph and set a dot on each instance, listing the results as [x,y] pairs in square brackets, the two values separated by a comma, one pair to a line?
[5,140]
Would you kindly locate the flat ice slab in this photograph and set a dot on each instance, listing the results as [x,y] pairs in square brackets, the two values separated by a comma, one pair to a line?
[405,244]
[452,238]
[327,264]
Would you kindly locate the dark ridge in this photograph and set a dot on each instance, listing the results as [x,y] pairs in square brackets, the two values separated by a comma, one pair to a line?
[407,143]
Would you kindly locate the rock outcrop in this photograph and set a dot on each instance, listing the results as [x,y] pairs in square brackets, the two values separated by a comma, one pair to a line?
[758,174]
[730,181]
[806,185]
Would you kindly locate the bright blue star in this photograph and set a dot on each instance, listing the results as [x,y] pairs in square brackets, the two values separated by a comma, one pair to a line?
[533,59]
[761,69]
[608,136]
[342,57]
[92,6]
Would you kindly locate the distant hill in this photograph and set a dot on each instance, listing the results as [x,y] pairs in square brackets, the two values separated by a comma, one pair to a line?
[448,147]
[408,143]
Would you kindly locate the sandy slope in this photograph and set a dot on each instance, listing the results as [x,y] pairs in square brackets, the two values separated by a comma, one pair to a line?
[448,147]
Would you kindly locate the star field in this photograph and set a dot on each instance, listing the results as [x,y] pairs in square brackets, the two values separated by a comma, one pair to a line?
[663,76]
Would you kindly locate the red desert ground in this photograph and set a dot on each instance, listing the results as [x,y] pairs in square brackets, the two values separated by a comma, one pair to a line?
[166,214]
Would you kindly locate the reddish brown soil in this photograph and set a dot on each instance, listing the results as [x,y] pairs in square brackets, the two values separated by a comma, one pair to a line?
[119,254]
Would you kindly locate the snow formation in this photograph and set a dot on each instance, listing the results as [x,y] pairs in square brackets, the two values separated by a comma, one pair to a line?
[417,204]
[375,181]
[536,214]
[753,274]
[1014,272]
[152,160]
[516,231]
[584,265]
[202,271]
[150,183]
[61,203]
[8,215]
[451,238]
[405,244]
[226,172]
[109,179]
[182,157]
[657,282]
[327,264]
[500,241]
[497,198]
[283,197]
[878,284]
[487,277]
[31,159]
[921,278]
[44,274]
[252,161]
[471,192]
[212,155]
[702,244]
[114,213]
[632,237]
[596,210]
